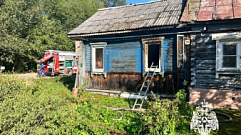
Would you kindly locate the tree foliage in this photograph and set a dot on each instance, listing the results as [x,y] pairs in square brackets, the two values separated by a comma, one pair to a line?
[28,27]
[113,3]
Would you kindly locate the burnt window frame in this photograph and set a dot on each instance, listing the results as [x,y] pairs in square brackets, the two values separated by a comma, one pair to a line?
[146,42]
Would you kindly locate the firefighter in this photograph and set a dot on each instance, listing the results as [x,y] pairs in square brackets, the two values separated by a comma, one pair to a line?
[39,69]
[42,69]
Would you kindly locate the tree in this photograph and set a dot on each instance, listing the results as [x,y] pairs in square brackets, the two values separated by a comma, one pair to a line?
[113,3]
[28,27]
[16,20]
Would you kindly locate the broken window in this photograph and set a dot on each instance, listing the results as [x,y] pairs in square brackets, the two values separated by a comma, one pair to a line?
[152,53]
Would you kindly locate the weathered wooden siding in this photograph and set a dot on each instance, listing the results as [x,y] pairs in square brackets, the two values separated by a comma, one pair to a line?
[132,82]
[120,56]
[203,63]
[170,62]
[124,57]
[87,57]
[125,65]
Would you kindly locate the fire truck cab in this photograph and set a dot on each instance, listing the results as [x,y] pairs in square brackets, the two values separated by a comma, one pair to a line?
[59,62]
[1,66]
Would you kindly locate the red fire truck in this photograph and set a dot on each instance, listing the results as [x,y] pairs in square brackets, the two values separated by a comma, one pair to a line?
[1,66]
[59,62]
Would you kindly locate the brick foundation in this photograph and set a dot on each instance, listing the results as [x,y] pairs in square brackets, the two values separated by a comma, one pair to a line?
[227,99]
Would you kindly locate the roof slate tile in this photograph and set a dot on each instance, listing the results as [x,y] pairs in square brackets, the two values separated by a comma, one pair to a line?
[157,13]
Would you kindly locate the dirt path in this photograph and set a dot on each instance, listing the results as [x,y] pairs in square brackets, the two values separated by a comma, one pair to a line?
[29,75]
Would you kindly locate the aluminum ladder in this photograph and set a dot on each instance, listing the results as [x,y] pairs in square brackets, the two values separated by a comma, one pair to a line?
[143,97]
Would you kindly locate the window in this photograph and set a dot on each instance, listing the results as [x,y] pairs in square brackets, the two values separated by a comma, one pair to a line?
[228,56]
[228,52]
[98,58]
[153,54]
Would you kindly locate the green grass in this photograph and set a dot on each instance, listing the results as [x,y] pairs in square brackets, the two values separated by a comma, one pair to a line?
[46,106]
[89,106]
[229,128]
[130,120]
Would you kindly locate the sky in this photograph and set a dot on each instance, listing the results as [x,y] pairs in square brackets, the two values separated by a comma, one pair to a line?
[138,1]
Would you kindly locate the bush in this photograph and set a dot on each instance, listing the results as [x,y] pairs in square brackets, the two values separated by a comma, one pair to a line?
[34,107]
[28,107]
[164,117]
[46,106]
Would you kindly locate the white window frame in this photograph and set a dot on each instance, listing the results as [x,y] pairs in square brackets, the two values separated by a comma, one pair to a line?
[94,70]
[222,38]
[220,56]
[94,62]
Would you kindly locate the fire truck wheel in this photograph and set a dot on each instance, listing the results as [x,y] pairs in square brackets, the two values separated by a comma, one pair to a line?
[69,72]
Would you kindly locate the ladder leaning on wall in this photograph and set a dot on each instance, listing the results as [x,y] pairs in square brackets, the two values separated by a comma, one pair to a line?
[142,94]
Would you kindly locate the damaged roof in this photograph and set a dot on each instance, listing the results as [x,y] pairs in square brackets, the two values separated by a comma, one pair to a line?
[130,17]
[207,10]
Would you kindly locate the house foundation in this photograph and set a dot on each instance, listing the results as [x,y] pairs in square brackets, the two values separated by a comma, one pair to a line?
[227,99]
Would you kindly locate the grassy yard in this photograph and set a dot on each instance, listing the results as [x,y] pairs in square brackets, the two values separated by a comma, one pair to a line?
[46,106]
[229,128]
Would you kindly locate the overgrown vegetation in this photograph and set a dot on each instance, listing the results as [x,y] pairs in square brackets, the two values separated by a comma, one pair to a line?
[166,116]
[28,27]
[46,106]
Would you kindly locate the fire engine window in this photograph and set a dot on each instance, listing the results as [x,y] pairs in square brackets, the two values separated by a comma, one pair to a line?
[51,61]
[99,58]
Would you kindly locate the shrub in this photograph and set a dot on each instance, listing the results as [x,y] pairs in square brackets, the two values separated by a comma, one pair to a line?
[28,107]
[163,116]
[46,106]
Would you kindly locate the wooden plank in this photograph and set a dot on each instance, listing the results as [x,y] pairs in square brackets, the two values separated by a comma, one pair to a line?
[206,51]
[206,66]
[205,61]
[131,82]
[204,40]
[205,71]
[205,76]
[80,70]
[205,57]
[206,46]
[180,61]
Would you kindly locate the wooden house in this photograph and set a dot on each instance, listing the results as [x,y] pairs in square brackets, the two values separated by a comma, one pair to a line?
[116,47]
[215,52]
